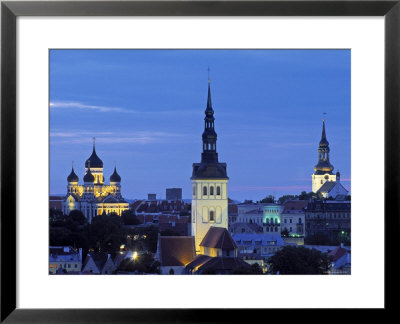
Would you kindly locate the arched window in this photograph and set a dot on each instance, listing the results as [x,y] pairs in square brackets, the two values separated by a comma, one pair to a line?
[211,215]
[218,191]
[205,190]
[211,190]
[194,190]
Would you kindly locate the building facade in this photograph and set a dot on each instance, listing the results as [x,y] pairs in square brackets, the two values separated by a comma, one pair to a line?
[266,215]
[94,197]
[293,217]
[328,222]
[209,183]
[173,194]
[64,258]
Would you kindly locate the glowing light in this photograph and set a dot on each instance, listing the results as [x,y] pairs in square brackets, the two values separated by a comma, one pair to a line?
[134,255]
[122,246]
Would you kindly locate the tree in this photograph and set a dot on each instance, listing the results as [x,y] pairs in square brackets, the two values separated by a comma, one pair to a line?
[285,232]
[285,198]
[105,233]
[144,263]
[248,270]
[299,260]
[268,200]
[129,217]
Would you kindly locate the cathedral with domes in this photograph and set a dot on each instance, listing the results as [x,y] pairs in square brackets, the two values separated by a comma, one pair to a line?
[94,197]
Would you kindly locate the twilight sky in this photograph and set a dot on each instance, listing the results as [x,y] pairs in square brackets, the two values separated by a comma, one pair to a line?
[146,110]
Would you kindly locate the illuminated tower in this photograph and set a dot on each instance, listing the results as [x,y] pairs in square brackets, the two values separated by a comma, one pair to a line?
[72,181]
[96,166]
[209,183]
[115,182]
[323,170]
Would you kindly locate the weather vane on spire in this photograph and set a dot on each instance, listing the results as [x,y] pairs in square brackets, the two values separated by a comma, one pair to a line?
[324,115]
[94,141]
[209,74]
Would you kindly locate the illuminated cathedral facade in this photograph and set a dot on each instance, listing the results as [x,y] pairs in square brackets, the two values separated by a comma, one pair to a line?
[94,197]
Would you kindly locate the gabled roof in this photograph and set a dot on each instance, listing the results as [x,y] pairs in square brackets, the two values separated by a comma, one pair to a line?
[198,261]
[294,206]
[337,253]
[223,264]
[176,250]
[99,259]
[218,238]
[327,186]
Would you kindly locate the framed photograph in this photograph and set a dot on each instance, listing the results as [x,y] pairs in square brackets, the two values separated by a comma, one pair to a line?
[157,150]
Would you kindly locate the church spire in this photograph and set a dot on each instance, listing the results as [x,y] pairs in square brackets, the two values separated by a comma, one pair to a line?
[209,135]
[324,165]
[324,141]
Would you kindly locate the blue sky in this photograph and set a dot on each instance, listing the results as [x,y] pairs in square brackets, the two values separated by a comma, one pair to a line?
[146,110]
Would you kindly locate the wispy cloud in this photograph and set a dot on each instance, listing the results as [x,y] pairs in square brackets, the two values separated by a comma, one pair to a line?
[140,137]
[79,105]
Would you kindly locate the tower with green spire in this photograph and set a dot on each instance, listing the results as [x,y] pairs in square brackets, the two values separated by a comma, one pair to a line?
[323,170]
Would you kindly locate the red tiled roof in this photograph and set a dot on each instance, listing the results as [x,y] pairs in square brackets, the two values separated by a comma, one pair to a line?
[218,237]
[176,250]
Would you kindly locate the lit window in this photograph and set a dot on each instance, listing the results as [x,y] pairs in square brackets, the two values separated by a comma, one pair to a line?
[51,266]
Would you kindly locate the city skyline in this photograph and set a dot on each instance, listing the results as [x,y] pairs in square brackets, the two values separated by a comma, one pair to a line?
[146,110]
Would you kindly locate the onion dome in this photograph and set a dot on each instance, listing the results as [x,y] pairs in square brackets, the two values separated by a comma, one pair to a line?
[94,161]
[89,177]
[115,177]
[72,176]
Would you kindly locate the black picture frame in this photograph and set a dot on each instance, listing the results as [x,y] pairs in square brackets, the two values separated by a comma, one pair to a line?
[10,10]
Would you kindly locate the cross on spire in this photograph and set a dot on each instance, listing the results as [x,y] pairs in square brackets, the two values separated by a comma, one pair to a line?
[209,80]
[94,142]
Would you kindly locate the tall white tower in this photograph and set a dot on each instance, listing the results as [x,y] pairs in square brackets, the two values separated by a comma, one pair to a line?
[209,183]
[323,169]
